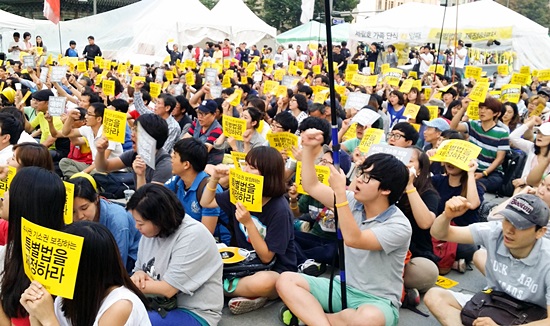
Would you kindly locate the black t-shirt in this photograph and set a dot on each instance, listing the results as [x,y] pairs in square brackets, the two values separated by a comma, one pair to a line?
[274,222]
[337,57]
[372,56]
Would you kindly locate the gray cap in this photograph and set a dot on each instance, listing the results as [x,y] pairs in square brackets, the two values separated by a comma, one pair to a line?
[525,211]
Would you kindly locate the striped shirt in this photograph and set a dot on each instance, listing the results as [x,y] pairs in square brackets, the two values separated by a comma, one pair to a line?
[491,141]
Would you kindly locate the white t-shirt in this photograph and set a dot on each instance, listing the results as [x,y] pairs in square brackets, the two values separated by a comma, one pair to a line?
[137,317]
[26,138]
[15,54]
[423,65]
[6,154]
[460,62]
[87,132]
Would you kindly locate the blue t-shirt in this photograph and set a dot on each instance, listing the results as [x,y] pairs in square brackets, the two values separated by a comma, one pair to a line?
[123,227]
[188,199]
[71,53]
[127,138]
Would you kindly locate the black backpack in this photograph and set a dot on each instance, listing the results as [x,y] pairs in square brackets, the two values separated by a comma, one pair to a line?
[513,165]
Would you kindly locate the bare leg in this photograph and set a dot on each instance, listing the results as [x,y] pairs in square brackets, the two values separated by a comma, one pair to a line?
[358,317]
[443,306]
[261,284]
[480,258]
[294,291]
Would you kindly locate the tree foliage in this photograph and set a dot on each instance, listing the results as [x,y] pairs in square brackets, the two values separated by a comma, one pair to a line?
[536,10]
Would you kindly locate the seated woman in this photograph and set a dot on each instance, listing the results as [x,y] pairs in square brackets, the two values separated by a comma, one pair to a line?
[104,293]
[268,232]
[39,196]
[177,256]
[88,206]
[251,137]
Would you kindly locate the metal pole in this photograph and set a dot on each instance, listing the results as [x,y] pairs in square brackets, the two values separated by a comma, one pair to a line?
[95,7]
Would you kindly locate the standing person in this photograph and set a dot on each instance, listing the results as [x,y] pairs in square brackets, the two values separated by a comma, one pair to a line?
[175,54]
[40,44]
[426,59]
[104,293]
[177,256]
[376,233]
[372,56]
[391,57]
[15,47]
[27,42]
[459,55]
[91,50]
[359,58]
[71,50]
[346,54]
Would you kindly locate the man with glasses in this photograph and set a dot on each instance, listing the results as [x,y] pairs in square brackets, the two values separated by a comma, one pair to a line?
[376,238]
[86,135]
[403,135]
[207,129]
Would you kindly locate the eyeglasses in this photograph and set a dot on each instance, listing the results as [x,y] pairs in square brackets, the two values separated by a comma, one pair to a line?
[365,177]
[394,136]
[276,126]
[325,161]
[293,100]
[90,114]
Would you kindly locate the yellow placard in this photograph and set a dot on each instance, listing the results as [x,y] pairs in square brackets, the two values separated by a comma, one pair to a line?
[519,79]
[473,111]
[39,50]
[418,85]
[543,75]
[81,66]
[351,132]
[316,69]
[371,137]
[503,70]
[114,125]
[283,141]
[281,91]
[270,86]
[472,72]
[538,110]
[352,67]
[434,111]
[5,184]
[136,78]
[479,92]
[98,61]
[371,66]
[340,89]
[90,65]
[154,89]
[246,188]
[413,74]
[51,257]
[495,94]
[348,76]
[320,97]
[323,173]
[233,127]
[235,98]
[456,152]
[106,65]
[372,80]
[108,87]
[169,75]
[292,70]
[226,81]
[525,70]
[278,75]
[438,69]
[416,126]
[300,65]
[510,93]
[69,200]
[406,86]
[411,110]
[237,158]
[136,69]
[190,78]
[445,282]
[359,80]
[393,76]
[384,68]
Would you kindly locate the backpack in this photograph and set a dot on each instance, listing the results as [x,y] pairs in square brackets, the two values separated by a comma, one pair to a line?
[513,165]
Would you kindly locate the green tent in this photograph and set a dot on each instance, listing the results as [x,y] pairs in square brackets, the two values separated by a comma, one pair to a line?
[314,32]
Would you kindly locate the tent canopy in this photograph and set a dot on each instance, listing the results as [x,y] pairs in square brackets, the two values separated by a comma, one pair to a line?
[512,30]
[313,32]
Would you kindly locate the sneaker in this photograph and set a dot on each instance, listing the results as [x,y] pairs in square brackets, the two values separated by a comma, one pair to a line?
[241,305]
[412,298]
[312,268]
[460,266]
[303,226]
[287,317]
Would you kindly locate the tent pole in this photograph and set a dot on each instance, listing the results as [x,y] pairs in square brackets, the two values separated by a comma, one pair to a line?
[59,32]
[440,36]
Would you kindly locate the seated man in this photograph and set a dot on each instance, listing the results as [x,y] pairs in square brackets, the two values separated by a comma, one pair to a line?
[517,255]
[157,128]
[403,135]
[376,233]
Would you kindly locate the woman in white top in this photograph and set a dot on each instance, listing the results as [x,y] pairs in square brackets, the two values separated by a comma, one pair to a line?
[104,294]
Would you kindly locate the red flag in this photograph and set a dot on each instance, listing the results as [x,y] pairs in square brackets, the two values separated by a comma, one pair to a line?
[52,10]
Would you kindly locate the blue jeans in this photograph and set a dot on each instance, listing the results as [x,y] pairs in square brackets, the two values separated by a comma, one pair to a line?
[492,182]
[174,317]
[310,246]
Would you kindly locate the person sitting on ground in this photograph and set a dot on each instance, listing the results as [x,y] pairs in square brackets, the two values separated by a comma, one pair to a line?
[251,137]
[188,163]
[207,129]
[402,135]
[517,253]
[177,256]
[104,293]
[157,128]
[376,233]
[88,206]
[269,232]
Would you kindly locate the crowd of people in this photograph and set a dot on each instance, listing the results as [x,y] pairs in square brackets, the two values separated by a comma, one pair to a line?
[413,220]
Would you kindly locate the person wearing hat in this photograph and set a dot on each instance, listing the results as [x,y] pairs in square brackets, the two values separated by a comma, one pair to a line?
[433,130]
[518,255]
[207,129]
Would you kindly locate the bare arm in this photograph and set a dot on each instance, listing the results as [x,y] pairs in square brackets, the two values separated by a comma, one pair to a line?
[442,229]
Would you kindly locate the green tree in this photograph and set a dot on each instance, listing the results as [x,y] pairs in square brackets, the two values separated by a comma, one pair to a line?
[536,10]
[209,3]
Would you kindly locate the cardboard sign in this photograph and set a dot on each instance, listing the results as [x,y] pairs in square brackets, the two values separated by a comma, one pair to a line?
[413,74]
[235,98]
[384,68]
[135,79]
[525,70]
[216,91]
[108,87]
[146,146]
[456,152]
[56,105]
[445,282]
[237,158]
[371,137]
[98,61]
[406,86]
[543,75]
[365,117]
[279,74]
[246,188]
[411,111]
[503,70]
[320,97]
[283,141]
[28,61]
[402,154]
[510,93]
[69,200]
[323,173]
[438,69]
[233,127]
[350,133]
[479,92]
[473,111]
[114,125]
[359,80]
[44,74]
[290,81]
[316,69]
[434,111]
[226,81]
[5,184]
[357,100]
[211,76]
[51,257]
[393,76]
[519,79]
[270,86]
[473,72]
[58,73]
[154,89]
[190,78]
[538,110]
[81,66]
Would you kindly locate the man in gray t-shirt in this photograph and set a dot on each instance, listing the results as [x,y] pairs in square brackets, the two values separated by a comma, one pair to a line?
[518,255]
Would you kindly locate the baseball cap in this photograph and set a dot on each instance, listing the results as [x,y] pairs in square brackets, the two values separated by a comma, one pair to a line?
[43,95]
[208,106]
[544,129]
[525,211]
[436,102]
[544,91]
[438,123]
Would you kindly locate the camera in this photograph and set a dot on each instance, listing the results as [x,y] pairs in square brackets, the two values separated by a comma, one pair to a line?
[379,46]
[448,52]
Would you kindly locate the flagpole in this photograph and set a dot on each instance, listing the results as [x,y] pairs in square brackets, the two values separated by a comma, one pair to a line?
[59,32]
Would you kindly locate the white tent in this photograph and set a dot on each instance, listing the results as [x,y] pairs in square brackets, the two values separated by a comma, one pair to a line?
[478,22]
[313,32]
[245,25]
